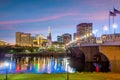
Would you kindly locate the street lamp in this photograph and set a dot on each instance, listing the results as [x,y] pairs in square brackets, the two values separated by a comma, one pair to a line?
[6,64]
[105,28]
[67,69]
[95,33]
[114,26]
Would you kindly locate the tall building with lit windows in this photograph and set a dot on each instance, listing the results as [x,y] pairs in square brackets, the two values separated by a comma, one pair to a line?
[59,39]
[23,39]
[66,38]
[84,29]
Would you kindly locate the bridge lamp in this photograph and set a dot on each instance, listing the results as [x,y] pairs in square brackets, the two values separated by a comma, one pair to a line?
[90,34]
[76,39]
[95,32]
[105,28]
[114,26]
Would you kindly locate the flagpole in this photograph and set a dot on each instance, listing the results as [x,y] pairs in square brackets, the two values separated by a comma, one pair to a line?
[113,19]
[109,23]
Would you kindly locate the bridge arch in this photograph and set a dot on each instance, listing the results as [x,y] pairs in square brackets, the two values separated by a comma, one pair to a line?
[102,61]
[85,55]
[113,54]
[77,59]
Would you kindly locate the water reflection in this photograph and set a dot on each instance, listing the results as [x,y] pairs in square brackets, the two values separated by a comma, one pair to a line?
[37,65]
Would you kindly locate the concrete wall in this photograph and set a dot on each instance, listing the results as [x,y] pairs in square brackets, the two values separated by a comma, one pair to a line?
[113,54]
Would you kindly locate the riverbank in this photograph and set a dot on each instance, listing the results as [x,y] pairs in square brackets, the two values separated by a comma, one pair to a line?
[72,76]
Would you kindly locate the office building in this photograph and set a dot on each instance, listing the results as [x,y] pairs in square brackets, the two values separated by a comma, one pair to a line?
[23,39]
[59,39]
[2,43]
[66,38]
[74,36]
[84,29]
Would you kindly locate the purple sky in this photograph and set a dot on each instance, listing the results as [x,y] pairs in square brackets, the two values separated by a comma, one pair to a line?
[35,16]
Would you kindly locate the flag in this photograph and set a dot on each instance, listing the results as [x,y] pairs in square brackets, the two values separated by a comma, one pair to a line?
[116,11]
[112,13]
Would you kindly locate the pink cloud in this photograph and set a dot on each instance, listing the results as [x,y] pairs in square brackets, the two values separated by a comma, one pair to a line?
[6,27]
[99,16]
[39,19]
[103,15]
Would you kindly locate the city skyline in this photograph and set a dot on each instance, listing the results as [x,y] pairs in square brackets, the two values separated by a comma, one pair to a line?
[62,16]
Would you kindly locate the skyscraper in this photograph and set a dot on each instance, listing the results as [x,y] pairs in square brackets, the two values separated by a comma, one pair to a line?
[84,29]
[66,38]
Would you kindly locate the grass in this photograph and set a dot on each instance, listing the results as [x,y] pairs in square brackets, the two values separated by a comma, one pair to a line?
[72,76]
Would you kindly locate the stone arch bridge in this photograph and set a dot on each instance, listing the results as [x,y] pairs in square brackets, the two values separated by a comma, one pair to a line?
[109,54]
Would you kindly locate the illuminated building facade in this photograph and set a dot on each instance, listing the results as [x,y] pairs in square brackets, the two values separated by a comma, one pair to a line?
[2,43]
[41,40]
[23,39]
[84,29]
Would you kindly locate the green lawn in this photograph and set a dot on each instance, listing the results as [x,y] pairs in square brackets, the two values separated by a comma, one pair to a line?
[74,76]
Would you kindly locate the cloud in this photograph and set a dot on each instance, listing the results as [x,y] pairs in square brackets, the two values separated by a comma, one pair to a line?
[103,15]
[39,19]
[98,16]
[6,27]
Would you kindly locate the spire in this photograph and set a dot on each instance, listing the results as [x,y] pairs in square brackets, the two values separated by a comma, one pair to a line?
[49,30]
[49,36]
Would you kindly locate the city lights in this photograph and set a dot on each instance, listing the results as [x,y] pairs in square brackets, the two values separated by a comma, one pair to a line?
[105,28]
[114,26]
[83,38]
[6,64]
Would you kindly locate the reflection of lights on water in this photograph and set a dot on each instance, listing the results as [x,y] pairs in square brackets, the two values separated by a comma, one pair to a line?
[40,65]
[18,68]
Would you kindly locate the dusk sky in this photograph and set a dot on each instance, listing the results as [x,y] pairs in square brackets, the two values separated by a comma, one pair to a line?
[35,16]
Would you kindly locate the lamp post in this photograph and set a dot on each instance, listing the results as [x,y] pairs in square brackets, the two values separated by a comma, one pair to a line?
[114,26]
[67,72]
[6,66]
[95,33]
[67,58]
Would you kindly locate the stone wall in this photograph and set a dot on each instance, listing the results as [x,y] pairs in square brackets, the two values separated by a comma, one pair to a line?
[113,54]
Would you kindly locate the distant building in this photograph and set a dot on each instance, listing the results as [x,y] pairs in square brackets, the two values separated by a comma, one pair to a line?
[74,36]
[66,38]
[84,29]
[59,39]
[23,39]
[2,43]
[111,37]
[41,40]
